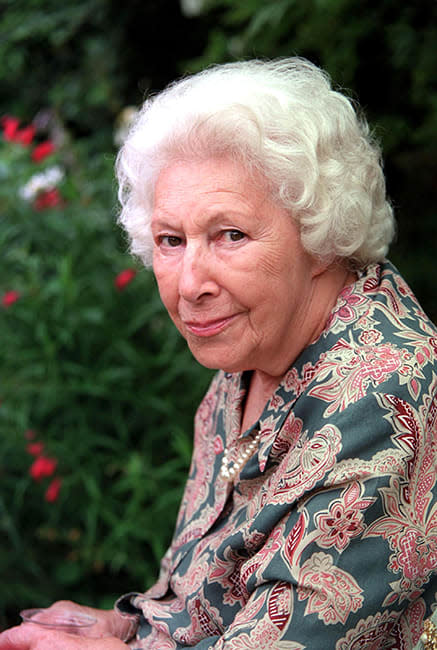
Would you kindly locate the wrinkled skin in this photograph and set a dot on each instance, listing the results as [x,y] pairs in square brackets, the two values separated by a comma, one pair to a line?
[106,634]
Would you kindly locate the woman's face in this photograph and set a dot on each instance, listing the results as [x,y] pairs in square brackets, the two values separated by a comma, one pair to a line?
[230,267]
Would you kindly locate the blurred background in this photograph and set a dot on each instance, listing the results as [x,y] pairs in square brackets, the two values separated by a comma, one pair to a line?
[97,390]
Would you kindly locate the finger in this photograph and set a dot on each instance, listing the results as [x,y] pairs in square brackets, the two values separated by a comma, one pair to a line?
[13,639]
[30,636]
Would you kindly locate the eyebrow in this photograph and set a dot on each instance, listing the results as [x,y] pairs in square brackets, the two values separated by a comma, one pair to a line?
[159,223]
[162,222]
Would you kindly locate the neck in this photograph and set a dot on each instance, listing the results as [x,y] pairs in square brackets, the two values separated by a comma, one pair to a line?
[327,286]
[261,388]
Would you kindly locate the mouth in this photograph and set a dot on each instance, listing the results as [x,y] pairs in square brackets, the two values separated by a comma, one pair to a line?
[208,327]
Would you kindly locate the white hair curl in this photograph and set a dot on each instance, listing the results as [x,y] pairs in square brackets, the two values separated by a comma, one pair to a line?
[279,118]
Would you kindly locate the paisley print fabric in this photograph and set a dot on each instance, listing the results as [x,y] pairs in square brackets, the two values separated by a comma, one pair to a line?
[328,536]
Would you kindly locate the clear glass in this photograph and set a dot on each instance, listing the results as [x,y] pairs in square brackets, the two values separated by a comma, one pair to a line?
[71,622]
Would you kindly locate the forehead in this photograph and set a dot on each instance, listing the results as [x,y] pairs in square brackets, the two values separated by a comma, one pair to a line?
[211,184]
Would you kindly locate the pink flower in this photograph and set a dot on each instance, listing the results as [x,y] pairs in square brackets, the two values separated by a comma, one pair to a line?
[35,448]
[47,199]
[42,467]
[52,492]
[124,278]
[9,298]
[370,337]
[43,150]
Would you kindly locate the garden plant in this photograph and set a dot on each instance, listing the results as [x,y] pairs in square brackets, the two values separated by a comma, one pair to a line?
[97,389]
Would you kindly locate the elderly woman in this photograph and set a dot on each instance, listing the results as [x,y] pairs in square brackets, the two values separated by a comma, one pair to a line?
[309,518]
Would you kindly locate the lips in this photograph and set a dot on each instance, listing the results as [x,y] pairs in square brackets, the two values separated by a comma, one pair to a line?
[208,327]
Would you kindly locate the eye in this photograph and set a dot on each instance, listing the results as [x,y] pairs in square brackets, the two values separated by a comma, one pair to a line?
[169,240]
[233,235]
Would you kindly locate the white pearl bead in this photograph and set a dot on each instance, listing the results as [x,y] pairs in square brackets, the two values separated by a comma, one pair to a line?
[229,469]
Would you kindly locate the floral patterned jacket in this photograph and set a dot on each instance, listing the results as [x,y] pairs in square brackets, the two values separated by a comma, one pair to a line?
[328,536]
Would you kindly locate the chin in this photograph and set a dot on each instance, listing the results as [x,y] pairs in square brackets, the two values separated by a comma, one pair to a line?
[215,360]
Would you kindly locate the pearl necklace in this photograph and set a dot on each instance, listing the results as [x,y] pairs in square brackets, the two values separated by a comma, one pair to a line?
[230,468]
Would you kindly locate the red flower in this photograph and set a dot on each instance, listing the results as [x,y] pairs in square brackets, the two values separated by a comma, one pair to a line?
[13,134]
[9,298]
[30,434]
[43,150]
[47,199]
[25,136]
[10,126]
[35,448]
[52,492]
[124,278]
[42,467]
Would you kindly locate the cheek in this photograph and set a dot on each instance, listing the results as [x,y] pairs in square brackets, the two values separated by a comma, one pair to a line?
[267,262]
[170,300]
[268,279]
[168,289]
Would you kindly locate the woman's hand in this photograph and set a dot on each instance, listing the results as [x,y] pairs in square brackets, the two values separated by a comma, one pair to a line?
[30,636]
[107,633]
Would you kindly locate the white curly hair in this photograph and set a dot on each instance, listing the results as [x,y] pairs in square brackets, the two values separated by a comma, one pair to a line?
[280,119]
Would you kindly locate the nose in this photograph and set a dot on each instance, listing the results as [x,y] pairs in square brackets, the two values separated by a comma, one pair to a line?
[197,277]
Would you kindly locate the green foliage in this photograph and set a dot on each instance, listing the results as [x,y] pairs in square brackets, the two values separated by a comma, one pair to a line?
[87,59]
[55,53]
[102,378]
